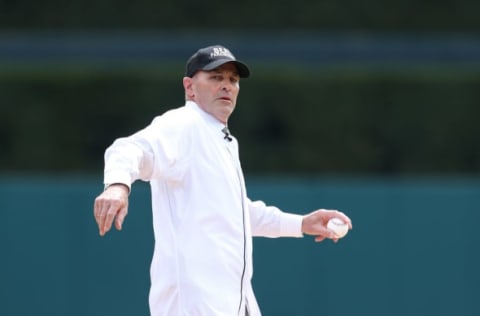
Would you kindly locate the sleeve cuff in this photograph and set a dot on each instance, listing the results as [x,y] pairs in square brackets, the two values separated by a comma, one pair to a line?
[117,177]
[291,225]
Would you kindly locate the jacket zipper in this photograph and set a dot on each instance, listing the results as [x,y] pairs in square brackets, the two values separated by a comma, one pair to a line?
[244,231]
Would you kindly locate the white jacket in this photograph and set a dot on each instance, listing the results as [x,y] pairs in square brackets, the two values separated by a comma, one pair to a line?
[203,221]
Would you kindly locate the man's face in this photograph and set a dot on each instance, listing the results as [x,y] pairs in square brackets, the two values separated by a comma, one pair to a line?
[215,91]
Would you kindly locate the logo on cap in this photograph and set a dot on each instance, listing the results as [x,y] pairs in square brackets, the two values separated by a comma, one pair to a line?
[221,52]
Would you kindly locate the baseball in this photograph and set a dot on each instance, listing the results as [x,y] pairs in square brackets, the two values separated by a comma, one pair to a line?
[339,227]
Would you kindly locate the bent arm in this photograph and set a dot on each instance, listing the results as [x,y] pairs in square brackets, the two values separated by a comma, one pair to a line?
[269,221]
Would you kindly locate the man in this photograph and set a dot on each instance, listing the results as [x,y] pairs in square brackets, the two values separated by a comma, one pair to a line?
[203,219]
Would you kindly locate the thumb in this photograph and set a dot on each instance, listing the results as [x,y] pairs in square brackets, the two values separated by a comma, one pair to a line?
[120,218]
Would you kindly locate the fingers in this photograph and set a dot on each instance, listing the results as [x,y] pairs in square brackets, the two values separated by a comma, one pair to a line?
[315,224]
[120,218]
[103,207]
[337,214]
[324,232]
[106,211]
[110,206]
[322,238]
[345,218]
[100,213]
[112,211]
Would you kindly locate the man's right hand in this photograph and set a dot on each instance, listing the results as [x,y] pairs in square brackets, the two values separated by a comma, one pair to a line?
[111,205]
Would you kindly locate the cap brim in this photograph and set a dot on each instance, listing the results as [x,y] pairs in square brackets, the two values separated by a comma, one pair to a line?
[243,70]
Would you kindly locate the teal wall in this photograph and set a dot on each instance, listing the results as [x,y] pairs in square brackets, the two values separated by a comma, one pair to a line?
[413,250]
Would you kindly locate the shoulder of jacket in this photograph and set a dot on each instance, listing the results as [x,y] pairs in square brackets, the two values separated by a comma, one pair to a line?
[178,115]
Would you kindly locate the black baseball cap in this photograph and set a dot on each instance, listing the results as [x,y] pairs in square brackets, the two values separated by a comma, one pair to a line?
[211,57]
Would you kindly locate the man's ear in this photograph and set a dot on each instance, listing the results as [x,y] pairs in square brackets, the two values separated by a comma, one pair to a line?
[187,85]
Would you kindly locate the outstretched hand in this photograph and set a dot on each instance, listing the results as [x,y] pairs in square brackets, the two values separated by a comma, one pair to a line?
[315,224]
[110,206]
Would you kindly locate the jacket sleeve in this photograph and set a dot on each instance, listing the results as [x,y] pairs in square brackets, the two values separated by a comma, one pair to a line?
[159,150]
[269,221]
[128,159]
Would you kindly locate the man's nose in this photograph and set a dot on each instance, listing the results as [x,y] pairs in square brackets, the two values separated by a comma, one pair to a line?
[226,85]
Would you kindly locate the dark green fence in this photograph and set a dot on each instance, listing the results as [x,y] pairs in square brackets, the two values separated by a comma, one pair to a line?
[350,121]
[413,249]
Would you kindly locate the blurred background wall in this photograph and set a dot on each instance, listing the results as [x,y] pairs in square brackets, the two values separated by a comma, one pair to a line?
[368,107]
